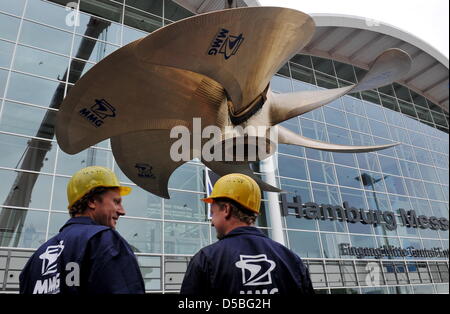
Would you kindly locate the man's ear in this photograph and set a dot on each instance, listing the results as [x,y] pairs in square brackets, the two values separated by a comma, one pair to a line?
[227,209]
[91,204]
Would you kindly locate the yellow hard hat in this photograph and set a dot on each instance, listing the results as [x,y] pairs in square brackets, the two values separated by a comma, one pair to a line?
[239,188]
[89,178]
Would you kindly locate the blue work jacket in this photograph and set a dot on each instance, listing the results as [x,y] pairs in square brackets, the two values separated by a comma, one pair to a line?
[246,261]
[83,258]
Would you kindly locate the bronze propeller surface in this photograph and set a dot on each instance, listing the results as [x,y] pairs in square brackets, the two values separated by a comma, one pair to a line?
[216,67]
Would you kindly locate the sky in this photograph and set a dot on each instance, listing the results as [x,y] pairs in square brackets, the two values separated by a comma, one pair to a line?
[428,20]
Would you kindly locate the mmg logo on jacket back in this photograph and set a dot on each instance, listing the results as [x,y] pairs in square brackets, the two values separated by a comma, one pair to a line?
[98,112]
[225,44]
[256,271]
[51,285]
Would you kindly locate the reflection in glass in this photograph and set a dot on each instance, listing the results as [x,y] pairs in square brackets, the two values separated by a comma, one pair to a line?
[142,235]
[181,238]
[14,148]
[10,27]
[69,164]
[47,13]
[305,244]
[40,63]
[140,203]
[45,37]
[185,206]
[6,51]
[22,228]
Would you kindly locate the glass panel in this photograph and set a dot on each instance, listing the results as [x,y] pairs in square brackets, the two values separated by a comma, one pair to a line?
[99,29]
[143,236]
[374,112]
[57,221]
[6,51]
[323,65]
[40,63]
[348,177]
[10,27]
[48,13]
[34,189]
[302,60]
[185,206]
[77,69]
[358,123]
[28,120]
[353,105]
[345,71]
[292,167]
[281,84]
[33,90]
[379,129]
[3,78]
[302,74]
[402,92]
[27,154]
[100,50]
[69,164]
[131,34]
[140,203]
[335,117]
[369,162]
[372,97]
[188,177]
[45,37]
[175,12]
[326,81]
[305,244]
[152,6]
[389,165]
[331,245]
[24,229]
[321,172]
[284,70]
[395,185]
[424,289]
[59,199]
[103,8]
[12,6]
[141,20]
[180,238]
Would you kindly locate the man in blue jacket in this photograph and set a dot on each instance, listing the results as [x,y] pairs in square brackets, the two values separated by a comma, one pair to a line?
[244,260]
[87,256]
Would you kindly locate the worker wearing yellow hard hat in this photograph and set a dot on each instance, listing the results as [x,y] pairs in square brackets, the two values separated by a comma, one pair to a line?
[87,244]
[244,260]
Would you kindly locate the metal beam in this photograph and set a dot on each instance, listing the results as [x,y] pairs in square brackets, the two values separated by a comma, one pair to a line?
[328,32]
[422,72]
[345,41]
[432,86]
[367,46]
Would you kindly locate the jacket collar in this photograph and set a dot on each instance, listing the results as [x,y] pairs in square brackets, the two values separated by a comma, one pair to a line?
[80,221]
[244,230]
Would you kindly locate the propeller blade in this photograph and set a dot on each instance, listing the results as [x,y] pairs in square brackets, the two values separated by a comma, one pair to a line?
[390,66]
[286,136]
[144,157]
[240,48]
[120,95]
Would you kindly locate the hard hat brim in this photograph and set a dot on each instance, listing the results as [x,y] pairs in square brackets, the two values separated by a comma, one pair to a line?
[208,200]
[123,191]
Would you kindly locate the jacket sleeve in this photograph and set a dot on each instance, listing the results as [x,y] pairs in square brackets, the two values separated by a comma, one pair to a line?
[113,268]
[196,280]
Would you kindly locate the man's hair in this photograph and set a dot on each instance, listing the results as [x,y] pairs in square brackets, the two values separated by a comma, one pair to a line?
[238,211]
[83,203]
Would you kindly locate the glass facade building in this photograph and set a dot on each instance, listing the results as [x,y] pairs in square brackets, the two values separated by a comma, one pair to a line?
[45,47]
